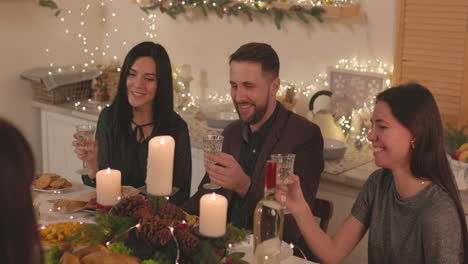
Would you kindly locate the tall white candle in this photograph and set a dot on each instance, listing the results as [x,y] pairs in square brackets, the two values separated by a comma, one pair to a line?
[213,214]
[108,186]
[160,165]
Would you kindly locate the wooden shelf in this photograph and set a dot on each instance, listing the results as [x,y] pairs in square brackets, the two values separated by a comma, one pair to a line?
[342,11]
[332,11]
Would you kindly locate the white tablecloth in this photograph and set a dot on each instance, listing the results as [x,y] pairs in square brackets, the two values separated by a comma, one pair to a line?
[76,192]
[47,216]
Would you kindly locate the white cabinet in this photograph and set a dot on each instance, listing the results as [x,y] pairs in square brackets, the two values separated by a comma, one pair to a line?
[57,150]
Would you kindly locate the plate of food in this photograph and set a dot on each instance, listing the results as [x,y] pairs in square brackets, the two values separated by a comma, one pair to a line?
[66,206]
[51,183]
[91,254]
[57,233]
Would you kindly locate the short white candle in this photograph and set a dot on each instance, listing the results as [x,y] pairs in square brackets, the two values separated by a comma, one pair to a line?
[108,186]
[213,214]
[160,165]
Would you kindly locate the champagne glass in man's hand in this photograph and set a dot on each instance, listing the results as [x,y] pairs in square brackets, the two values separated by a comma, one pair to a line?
[84,143]
[212,144]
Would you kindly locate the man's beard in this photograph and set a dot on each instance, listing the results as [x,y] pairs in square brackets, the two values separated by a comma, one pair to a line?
[256,116]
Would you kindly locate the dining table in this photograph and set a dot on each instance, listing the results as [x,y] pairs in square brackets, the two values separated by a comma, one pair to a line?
[44,200]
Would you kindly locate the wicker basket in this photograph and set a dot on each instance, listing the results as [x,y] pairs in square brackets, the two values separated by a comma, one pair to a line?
[111,80]
[62,94]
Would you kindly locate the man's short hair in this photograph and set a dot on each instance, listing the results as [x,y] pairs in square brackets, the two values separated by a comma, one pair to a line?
[261,53]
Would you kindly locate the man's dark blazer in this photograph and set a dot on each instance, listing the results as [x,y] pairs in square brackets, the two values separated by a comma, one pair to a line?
[290,133]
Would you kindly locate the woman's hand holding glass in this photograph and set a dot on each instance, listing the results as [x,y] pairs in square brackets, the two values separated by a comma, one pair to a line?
[88,153]
[295,201]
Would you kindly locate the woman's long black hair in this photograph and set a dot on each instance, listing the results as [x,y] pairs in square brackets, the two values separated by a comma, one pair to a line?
[415,107]
[163,104]
[19,239]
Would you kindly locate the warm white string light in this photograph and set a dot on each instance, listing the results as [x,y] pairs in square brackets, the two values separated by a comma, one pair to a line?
[90,57]
[356,125]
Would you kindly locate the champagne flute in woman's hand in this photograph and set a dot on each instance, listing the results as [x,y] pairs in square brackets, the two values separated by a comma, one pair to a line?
[85,138]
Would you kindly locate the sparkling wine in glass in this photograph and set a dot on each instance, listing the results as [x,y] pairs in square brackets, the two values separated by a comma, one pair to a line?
[212,144]
[85,138]
[284,170]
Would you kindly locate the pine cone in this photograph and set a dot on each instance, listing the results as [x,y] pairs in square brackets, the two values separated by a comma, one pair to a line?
[153,231]
[163,236]
[188,242]
[136,207]
[171,212]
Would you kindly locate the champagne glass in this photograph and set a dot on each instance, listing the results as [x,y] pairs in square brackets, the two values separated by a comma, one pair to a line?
[85,138]
[212,144]
[284,170]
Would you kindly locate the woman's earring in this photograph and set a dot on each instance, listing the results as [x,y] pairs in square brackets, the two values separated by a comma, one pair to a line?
[412,144]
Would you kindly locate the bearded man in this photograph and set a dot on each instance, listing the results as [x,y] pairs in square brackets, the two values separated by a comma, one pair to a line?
[264,127]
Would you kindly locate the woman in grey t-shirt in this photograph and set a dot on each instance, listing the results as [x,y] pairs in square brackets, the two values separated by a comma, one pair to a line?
[411,207]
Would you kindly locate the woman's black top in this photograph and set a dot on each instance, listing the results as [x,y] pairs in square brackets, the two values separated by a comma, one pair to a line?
[130,156]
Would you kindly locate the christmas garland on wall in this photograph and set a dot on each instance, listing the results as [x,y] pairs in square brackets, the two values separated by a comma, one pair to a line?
[173,8]
[52,5]
[228,8]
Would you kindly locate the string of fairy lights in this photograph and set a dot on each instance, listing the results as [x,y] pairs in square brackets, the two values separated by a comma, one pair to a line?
[188,102]
[172,230]
[93,54]
[146,3]
[358,132]
[355,126]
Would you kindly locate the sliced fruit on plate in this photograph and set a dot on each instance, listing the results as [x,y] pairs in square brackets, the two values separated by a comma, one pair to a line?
[463,156]
[463,147]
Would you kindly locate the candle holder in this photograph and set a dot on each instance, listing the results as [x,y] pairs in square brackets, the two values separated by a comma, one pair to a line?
[196,230]
[144,192]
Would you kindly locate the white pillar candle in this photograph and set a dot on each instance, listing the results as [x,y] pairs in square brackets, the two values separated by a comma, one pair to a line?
[160,165]
[213,214]
[108,186]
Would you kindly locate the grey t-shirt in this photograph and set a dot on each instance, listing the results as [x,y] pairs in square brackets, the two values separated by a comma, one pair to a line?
[424,228]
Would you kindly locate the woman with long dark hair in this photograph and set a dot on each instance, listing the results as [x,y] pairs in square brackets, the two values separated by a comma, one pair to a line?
[411,206]
[19,239]
[142,109]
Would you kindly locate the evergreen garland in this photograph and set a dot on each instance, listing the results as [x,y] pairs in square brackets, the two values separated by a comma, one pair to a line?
[120,234]
[223,8]
[52,5]
[235,8]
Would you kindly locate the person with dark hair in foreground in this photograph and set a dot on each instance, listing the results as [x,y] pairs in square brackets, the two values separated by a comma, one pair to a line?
[142,109]
[265,127]
[19,239]
[411,206]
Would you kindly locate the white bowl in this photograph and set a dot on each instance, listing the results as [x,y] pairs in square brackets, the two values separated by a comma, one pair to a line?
[333,149]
